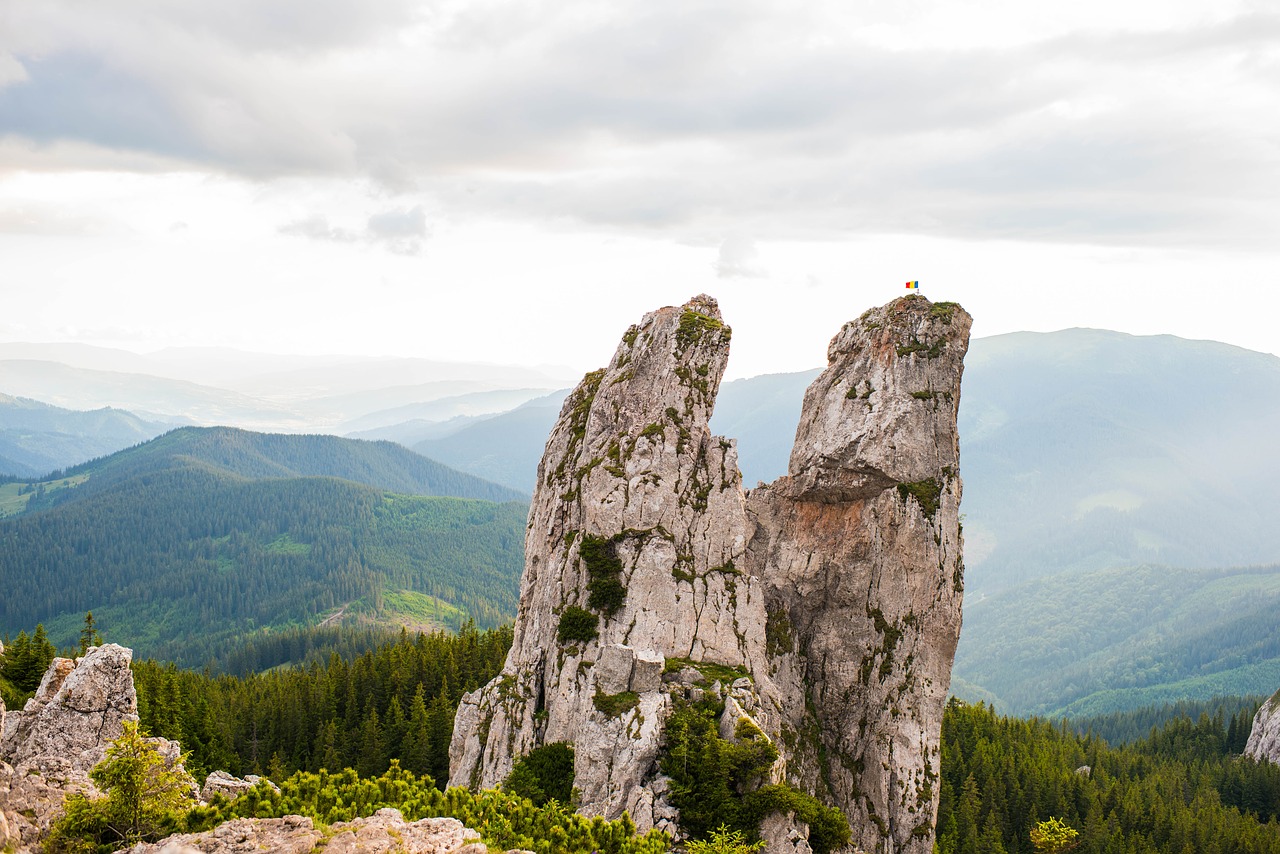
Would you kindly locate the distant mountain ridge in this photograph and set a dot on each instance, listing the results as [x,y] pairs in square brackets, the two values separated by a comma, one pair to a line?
[36,438]
[247,454]
[203,536]
[1086,449]
[213,386]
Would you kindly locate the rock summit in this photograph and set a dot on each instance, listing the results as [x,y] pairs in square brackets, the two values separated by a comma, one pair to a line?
[832,595]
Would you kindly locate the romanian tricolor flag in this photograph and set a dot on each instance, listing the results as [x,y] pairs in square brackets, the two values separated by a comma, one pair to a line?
[913,286]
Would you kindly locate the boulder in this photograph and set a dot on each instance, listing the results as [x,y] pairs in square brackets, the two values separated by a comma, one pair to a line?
[384,831]
[48,749]
[222,783]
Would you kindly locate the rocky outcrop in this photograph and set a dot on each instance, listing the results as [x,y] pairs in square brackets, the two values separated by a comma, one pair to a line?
[836,589]
[1264,738]
[230,787]
[49,747]
[630,556]
[78,709]
[384,831]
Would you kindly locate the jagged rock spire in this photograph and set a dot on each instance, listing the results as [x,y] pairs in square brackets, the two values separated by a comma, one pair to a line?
[860,548]
[837,588]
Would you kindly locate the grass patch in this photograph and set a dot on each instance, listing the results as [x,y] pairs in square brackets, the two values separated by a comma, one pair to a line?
[711,671]
[404,606]
[927,492]
[14,497]
[615,705]
[694,325]
[943,310]
[287,545]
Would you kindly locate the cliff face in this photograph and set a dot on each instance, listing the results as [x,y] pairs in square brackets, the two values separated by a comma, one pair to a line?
[1264,738]
[837,588]
[859,547]
[634,529]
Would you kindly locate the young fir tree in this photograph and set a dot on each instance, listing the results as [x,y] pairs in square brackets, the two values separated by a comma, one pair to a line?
[145,797]
[89,635]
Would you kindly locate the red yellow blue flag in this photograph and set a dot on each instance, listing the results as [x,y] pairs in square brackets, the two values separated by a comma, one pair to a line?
[913,286]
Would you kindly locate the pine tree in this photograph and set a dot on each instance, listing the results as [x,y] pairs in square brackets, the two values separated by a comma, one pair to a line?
[89,634]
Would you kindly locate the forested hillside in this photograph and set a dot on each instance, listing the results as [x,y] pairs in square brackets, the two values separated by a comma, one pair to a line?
[243,453]
[1093,643]
[186,560]
[397,701]
[1183,789]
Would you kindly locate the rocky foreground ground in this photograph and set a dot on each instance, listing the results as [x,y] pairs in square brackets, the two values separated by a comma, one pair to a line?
[48,748]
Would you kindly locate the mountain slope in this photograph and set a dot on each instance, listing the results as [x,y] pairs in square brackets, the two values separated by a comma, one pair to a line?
[762,413]
[246,454]
[187,558]
[1117,639]
[1081,449]
[1085,449]
[505,448]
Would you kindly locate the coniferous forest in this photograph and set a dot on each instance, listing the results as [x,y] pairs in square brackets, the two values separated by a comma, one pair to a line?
[382,715]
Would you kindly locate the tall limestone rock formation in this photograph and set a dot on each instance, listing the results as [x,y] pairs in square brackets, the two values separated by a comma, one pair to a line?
[836,589]
[1264,738]
[859,548]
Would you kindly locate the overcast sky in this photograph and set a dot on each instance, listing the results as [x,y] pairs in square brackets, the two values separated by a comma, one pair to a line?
[518,181]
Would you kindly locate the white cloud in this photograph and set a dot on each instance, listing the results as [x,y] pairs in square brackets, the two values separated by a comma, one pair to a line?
[400,231]
[711,115]
[317,227]
[739,259]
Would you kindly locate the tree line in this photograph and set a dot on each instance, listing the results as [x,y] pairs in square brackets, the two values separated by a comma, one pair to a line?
[394,702]
[1181,790]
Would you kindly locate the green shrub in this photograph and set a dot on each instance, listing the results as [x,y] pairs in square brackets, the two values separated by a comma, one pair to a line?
[544,775]
[713,781]
[604,573]
[828,827]
[145,800]
[503,819]
[724,841]
[928,492]
[577,624]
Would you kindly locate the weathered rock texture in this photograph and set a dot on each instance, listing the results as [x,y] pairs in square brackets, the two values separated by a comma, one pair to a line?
[859,546]
[1264,738]
[837,588]
[48,748]
[229,786]
[384,831]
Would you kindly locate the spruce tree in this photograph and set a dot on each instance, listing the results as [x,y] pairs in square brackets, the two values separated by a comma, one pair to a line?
[89,634]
